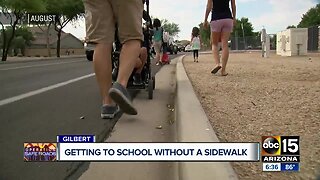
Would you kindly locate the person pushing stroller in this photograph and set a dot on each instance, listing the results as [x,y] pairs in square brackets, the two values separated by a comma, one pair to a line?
[101,17]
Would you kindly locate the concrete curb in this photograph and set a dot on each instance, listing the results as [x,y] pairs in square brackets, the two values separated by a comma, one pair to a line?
[194,126]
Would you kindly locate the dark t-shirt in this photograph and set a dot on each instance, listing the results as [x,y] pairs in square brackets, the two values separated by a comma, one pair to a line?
[221,10]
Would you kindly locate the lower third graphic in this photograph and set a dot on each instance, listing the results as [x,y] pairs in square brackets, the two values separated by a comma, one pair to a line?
[40,152]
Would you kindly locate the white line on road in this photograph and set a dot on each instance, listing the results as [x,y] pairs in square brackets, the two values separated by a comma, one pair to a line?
[35,92]
[38,65]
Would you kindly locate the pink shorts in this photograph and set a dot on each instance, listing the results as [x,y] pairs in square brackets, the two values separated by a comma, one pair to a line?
[222,25]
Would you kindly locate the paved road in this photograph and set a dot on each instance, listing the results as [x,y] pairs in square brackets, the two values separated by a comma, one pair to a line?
[39,100]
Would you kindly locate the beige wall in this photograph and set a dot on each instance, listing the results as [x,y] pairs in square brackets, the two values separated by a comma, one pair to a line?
[44,52]
[69,42]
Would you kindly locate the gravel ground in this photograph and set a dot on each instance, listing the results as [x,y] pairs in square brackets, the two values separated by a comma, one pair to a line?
[274,96]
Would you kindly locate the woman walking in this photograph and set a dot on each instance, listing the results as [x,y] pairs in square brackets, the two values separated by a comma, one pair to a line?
[222,22]
[195,43]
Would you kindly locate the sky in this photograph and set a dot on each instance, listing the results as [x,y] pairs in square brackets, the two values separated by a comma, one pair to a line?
[274,15]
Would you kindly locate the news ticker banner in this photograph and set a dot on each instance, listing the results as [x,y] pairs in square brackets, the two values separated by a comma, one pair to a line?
[84,148]
[278,153]
[158,152]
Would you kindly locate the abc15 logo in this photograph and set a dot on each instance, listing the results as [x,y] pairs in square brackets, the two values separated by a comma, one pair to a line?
[280,145]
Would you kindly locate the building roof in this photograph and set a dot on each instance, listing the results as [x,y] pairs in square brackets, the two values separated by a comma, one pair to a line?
[39,34]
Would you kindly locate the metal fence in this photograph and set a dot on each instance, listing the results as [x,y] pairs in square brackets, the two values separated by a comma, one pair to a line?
[250,42]
[314,38]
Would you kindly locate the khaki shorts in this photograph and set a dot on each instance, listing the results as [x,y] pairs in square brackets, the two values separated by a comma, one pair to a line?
[102,15]
[157,46]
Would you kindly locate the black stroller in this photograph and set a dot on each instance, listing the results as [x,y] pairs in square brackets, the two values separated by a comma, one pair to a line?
[147,78]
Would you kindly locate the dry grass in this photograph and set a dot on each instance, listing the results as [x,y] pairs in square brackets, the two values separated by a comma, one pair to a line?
[274,96]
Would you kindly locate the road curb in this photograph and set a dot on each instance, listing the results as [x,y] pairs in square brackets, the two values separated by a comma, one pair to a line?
[194,126]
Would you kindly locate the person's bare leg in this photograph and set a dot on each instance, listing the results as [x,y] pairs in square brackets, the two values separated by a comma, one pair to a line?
[215,47]
[225,51]
[160,59]
[142,59]
[215,51]
[157,57]
[138,64]
[102,68]
[128,56]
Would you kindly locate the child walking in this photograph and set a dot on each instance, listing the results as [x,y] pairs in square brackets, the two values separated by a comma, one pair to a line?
[195,43]
[157,39]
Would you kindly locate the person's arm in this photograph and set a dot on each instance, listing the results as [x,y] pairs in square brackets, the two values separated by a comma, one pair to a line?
[234,11]
[208,10]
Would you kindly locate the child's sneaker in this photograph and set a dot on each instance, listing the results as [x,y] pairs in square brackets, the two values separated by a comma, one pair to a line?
[137,80]
[109,111]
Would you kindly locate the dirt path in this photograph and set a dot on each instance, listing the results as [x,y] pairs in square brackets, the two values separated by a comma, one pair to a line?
[274,96]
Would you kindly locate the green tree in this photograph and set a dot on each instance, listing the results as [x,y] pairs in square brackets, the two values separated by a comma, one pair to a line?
[311,17]
[23,38]
[243,28]
[15,10]
[45,28]
[68,11]
[25,33]
[18,45]
[205,34]
[242,34]
[170,27]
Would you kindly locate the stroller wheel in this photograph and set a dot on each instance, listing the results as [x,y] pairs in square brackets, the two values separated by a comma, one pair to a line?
[154,82]
[150,89]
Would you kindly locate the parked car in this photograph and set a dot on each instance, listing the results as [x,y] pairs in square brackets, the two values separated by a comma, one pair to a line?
[180,47]
[249,47]
[89,51]
[188,48]
[173,48]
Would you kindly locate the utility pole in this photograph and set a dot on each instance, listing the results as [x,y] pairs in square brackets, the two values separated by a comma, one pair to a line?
[236,39]
[244,40]
[265,43]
